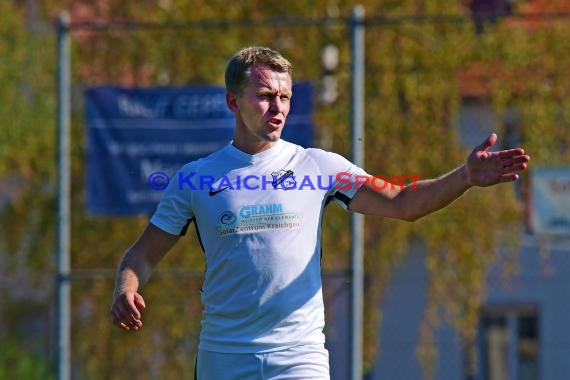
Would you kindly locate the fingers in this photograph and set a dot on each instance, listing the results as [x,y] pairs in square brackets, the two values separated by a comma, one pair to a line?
[517,163]
[513,165]
[514,169]
[511,153]
[125,311]
[121,322]
[118,320]
[489,168]
[511,177]
[125,322]
[512,159]
[139,301]
[129,304]
[489,142]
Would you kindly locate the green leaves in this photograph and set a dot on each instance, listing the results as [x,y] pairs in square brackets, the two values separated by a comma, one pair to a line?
[19,362]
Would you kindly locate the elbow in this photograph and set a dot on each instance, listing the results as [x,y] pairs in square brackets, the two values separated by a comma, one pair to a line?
[411,216]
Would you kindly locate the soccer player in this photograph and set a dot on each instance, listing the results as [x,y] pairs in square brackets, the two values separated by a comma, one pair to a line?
[257,204]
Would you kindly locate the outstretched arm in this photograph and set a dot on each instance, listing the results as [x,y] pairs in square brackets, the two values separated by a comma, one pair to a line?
[134,271]
[482,168]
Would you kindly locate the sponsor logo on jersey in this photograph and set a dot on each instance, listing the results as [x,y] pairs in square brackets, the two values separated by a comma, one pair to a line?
[257,218]
[227,218]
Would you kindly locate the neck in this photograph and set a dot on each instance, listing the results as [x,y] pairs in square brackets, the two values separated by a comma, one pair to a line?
[252,147]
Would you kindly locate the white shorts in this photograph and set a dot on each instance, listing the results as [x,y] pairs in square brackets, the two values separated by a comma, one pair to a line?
[307,362]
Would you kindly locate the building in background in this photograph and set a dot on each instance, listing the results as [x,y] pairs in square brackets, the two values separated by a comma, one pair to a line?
[524,331]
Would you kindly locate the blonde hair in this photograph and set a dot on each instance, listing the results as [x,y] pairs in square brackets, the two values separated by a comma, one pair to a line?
[239,66]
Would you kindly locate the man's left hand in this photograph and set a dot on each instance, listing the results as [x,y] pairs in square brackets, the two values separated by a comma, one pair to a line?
[484,168]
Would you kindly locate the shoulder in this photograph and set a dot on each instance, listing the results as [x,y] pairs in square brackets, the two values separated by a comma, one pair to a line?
[316,154]
[218,157]
[321,160]
[326,158]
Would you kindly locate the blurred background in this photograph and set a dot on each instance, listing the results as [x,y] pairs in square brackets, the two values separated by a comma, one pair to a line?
[478,290]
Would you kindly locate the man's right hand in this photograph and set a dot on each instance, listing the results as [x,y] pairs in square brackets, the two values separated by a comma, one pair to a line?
[126,310]
[134,271]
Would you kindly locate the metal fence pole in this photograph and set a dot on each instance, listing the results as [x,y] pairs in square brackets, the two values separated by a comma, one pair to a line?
[63,201]
[357,220]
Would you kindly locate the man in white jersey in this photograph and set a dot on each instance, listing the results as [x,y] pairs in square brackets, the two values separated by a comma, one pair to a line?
[257,204]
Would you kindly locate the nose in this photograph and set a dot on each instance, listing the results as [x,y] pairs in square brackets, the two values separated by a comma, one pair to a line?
[278,105]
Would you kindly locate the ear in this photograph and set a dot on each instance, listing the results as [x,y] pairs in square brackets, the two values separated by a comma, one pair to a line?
[231,101]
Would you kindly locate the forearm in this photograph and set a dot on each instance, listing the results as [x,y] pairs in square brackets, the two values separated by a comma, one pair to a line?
[140,259]
[134,271]
[482,168]
[427,196]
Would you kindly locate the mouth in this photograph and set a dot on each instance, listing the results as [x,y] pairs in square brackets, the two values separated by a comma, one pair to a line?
[275,123]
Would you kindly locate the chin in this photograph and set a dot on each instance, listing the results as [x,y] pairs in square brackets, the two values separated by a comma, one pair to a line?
[273,137]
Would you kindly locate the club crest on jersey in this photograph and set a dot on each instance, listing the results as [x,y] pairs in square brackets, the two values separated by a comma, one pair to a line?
[283,179]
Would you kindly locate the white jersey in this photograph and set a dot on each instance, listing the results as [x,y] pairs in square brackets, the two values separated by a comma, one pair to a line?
[258,219]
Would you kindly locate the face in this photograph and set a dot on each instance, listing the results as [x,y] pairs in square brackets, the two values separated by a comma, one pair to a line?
[261,109]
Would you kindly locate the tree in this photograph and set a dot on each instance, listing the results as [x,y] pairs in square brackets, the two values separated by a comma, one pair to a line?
[26,179]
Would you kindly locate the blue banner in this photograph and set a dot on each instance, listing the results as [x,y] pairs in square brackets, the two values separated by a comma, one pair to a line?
[134,133]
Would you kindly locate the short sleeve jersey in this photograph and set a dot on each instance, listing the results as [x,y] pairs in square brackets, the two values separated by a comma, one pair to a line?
[258,219]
